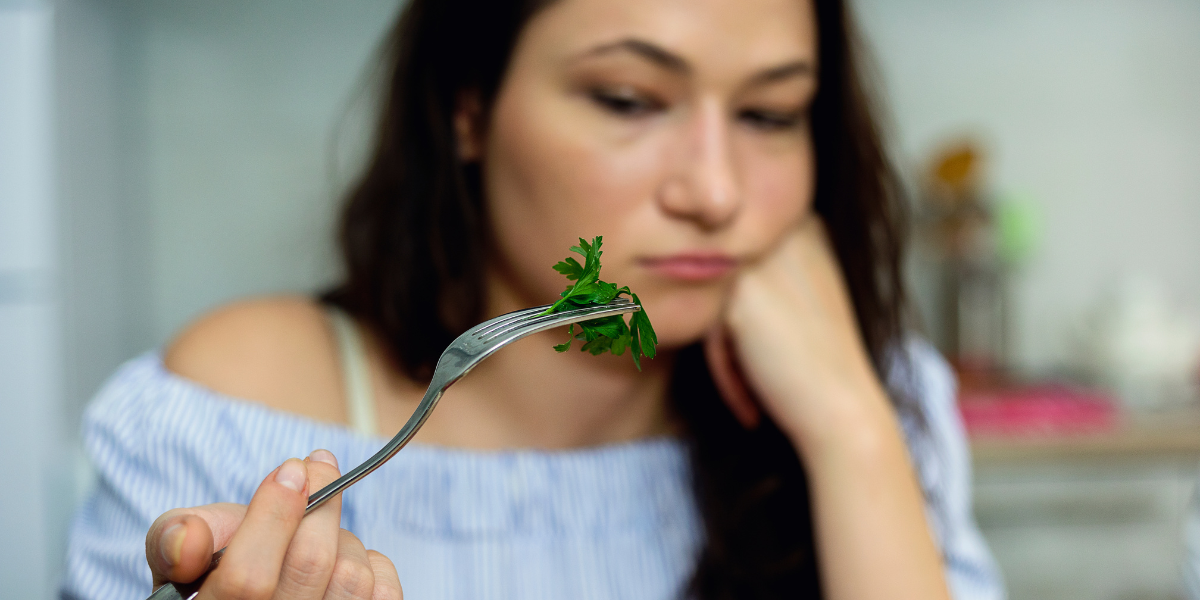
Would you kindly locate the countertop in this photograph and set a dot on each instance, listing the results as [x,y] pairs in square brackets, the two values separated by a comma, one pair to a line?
[1163,435]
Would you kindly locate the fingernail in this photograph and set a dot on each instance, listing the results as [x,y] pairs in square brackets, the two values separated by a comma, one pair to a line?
[292,475]
[171,543]
[324,456]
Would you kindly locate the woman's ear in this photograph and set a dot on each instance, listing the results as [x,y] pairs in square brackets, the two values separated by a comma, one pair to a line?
[728,377]
[468,125]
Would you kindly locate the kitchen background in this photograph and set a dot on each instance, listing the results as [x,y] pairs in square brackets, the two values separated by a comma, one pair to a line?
[160,158]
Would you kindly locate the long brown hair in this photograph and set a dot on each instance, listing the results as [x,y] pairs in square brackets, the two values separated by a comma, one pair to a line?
[413,235]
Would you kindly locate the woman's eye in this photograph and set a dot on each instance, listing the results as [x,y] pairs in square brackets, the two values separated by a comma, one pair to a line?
[769,120]
[625,103]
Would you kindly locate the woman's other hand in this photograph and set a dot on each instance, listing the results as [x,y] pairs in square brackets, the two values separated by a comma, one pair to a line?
[790,335]
[271,550]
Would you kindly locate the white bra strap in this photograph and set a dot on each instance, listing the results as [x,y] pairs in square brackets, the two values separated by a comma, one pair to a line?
[360,406]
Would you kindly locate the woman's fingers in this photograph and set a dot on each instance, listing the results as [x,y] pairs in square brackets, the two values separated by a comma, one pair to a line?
[271,550]
[353,575]
[252,562]
[387,582]
[310,559]
[180,543]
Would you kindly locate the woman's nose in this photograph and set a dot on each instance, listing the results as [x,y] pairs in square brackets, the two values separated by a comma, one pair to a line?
[704,184]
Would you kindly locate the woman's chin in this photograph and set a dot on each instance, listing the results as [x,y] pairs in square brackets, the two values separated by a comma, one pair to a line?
[680,322]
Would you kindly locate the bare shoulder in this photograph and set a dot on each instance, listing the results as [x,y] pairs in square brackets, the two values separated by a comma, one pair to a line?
[278,351]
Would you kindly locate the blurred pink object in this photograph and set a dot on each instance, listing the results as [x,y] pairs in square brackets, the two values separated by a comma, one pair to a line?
[1037,411]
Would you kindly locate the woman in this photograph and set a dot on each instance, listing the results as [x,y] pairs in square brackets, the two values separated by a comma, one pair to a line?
[726,152]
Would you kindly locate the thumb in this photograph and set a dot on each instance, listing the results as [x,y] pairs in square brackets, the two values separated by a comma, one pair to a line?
[181,542]
[722,365]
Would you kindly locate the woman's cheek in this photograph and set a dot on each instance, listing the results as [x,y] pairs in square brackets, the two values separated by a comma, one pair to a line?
[548,186]
[779,194]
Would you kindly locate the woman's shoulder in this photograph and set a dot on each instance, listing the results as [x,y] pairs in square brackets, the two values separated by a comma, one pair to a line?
[276,351]
[202,420]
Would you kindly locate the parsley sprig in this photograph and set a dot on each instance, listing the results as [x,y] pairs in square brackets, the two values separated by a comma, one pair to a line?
[606,334]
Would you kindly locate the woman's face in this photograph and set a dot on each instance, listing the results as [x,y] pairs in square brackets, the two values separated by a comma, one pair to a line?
[677,129]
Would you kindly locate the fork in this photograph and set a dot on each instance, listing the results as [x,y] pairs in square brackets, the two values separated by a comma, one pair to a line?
[463,354]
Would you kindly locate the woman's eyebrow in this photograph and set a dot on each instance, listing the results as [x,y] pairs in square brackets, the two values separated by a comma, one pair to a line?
[648,50]
[673,62]
[796,68]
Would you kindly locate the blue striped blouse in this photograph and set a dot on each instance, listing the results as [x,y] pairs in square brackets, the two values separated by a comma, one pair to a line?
[616,521]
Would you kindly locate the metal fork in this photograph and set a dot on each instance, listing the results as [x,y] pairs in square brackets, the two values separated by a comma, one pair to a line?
[463,354]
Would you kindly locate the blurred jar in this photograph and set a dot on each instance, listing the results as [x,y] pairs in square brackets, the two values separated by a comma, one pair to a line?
[1141,347]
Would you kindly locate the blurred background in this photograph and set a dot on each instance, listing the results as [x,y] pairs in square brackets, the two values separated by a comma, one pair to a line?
[160,158]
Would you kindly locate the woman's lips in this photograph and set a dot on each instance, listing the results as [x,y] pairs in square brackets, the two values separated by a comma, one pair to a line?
[692,267]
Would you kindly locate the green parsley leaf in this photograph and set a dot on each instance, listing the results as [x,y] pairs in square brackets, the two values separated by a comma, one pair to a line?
[570,267]
[605,334]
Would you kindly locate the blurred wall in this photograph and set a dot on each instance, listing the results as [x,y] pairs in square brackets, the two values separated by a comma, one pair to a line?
[204,145]
[241,101]
[95,220]
[33,506]
[1091,107]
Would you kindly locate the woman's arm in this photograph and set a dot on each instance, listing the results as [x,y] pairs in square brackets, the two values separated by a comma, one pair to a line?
[795,337]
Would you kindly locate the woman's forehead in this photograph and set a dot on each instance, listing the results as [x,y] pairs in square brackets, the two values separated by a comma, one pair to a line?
[703,34]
